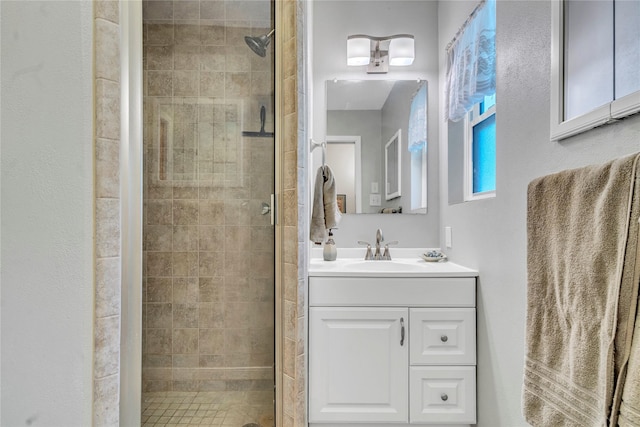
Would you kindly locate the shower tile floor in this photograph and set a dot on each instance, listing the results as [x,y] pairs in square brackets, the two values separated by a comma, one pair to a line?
[217,408]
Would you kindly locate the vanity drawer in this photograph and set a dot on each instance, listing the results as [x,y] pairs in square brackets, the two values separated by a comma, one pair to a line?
[442,394]
[442,336]
[387,291]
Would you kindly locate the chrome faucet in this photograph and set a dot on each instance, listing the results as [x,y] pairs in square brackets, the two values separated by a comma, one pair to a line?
[369,255]
[377,256]
[379,238]
[387,255]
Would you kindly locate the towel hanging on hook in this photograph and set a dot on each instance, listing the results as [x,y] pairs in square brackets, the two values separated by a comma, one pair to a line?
[322,145]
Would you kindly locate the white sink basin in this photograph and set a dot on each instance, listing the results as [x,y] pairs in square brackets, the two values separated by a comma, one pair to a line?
[401,265]
[407,263]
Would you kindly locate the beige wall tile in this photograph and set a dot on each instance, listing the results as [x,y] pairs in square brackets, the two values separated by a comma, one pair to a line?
[185,341]
[107,50]
[289,395]
[212,58]
[107,346]
[185,361]
[159,83]
[159,315]
[211,289]
[211,264]
[107,228]
[211,212]
[185,315]
[185,290]
[158,264]
[159,34]
[185,238]
[185,264]
[107,109]
[212,9]
[157,10]
[158,237]
[159,57]
[211,341]
[158,341]
[156,361]
[212,32]
[237,343]
[237,84]
[185,83]
[107,287]
[106,398]
[159,289]
[211,315]
[212,84]
[185,212]
[109,10]
[159,212]
[186,9]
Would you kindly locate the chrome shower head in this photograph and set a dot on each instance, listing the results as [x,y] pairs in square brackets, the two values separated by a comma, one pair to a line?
[259,44]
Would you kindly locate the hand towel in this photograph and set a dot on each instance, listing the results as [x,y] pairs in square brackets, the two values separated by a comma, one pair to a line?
[581,297]
[325,212]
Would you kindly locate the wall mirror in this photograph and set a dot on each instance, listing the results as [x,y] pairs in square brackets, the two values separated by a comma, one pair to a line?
[370,124]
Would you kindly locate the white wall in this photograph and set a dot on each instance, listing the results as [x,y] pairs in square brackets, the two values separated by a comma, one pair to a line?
[47,213]
[490,235]
[333,21]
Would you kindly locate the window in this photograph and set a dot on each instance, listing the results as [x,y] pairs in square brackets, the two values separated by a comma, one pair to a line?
[470,106]
[595,51]
[480,150]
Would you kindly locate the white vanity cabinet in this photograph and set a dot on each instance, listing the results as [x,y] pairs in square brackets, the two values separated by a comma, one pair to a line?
[359,364]
[392,350]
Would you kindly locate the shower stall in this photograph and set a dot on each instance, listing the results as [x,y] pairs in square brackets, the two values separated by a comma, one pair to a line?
[208,239]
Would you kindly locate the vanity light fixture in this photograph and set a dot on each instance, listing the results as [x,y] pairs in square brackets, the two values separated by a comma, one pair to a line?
[380,52]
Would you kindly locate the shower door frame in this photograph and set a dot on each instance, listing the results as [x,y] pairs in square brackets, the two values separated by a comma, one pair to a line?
[131,170]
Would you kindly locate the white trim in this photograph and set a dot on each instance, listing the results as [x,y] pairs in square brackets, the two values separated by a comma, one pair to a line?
[469,195]
[396,137]
[626,106]
[131,211]
[357,141]
[560,128]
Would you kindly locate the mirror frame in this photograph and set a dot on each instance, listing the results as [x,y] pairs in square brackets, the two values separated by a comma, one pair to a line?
[393,167]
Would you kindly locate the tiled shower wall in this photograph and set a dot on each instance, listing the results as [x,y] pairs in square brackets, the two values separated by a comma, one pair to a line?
[208,286]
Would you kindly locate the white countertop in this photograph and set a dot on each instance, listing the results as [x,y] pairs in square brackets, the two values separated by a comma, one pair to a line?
[406,262]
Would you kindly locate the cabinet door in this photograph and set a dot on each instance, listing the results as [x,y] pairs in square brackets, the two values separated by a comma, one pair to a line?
[358,364]
[443,394]
[443,336]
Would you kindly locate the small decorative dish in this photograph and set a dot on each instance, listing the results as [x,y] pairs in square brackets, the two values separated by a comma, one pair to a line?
[434,256]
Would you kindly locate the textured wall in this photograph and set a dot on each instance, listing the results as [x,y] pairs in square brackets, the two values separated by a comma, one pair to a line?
[490,235]
[47,213]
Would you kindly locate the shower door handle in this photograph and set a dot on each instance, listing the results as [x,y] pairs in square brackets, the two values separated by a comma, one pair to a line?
[270,209]
[273,209]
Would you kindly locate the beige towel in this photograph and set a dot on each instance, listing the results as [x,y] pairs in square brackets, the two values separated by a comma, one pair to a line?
[325,213]
[629,414]
[581,298]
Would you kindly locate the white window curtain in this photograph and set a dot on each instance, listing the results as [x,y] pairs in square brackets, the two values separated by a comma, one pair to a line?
[417,138]
[471,66]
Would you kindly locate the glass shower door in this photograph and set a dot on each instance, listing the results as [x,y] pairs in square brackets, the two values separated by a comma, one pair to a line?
[208,285]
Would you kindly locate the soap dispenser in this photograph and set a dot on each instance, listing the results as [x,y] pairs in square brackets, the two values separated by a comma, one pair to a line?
[330,253]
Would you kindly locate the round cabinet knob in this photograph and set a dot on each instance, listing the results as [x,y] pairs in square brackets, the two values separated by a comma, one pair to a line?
[444,338]
[444,397]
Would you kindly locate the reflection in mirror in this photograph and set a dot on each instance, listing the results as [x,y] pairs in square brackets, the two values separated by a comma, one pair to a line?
[378,113]
[392,167]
